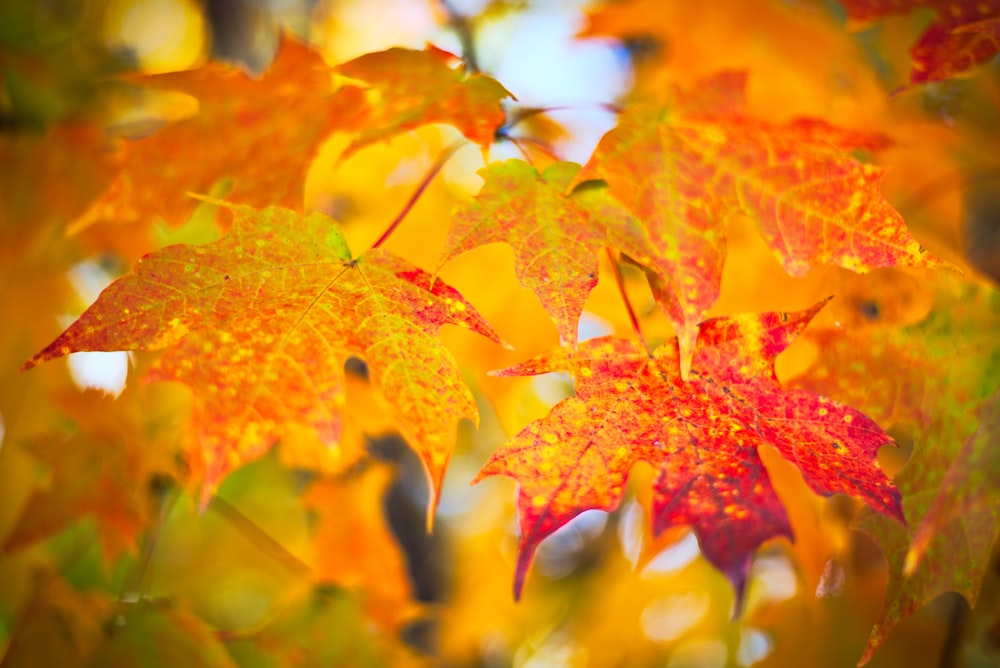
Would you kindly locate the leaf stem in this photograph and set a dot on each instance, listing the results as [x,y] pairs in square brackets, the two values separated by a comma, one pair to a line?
[435,168]
[464,31]
[143,576]
[939,186]
[263,540]
[520,143]
[527,112]
[628,304]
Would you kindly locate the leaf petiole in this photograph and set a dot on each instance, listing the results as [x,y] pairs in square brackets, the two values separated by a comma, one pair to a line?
[431,173]
[628,304]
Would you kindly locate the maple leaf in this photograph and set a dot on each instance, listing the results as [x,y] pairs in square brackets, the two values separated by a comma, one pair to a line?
[74,163]
[350,510]
[129,439]
[686,170]
[971,484]
[267,154]
[964,34]
[420,87]
[937,375]
[701,437]
[556,235]
[260,324]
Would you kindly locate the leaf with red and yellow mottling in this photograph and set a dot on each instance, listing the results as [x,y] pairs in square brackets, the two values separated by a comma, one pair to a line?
[415,88]
[701,437]
[132,438]
[937,376]
[556,235]
[234,134]
[260,323]
[964,34]
[685,171]
[349,511]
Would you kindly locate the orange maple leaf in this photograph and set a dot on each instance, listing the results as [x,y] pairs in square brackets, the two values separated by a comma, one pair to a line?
[556,234]
[964,34]
[128,439]
[76,166]
[260,324]
[348,510]
[416,88]
[701,437]
[686,170]
[234,134]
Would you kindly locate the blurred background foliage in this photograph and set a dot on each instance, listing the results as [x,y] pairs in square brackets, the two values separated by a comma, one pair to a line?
[310,558]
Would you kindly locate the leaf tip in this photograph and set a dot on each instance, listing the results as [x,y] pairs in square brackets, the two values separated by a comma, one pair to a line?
[524,557]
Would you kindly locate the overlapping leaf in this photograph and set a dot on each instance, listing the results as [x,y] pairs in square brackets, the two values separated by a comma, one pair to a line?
[556,235]
[236,135]
[964,34]
[937,378]
[130,439]
[701,437]
[349,511]
[420,87]
[971,485]
[261,323]
[685,171]
[74,163]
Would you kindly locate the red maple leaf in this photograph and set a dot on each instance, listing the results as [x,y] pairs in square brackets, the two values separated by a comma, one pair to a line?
[701,436]
[964,33]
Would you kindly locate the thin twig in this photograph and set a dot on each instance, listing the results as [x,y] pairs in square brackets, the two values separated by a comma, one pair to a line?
[942,185]
[463,29]
[263,540]
[435,168]
[519,142]
[628,304]
[144,575]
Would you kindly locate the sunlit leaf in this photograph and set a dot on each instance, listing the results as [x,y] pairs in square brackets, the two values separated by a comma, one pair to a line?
[420,87]
[701,437]
[685,170]
[260,325]
[556,235]
[232,134]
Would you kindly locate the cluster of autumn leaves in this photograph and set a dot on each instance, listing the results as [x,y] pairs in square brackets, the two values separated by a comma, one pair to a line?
[260,323]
